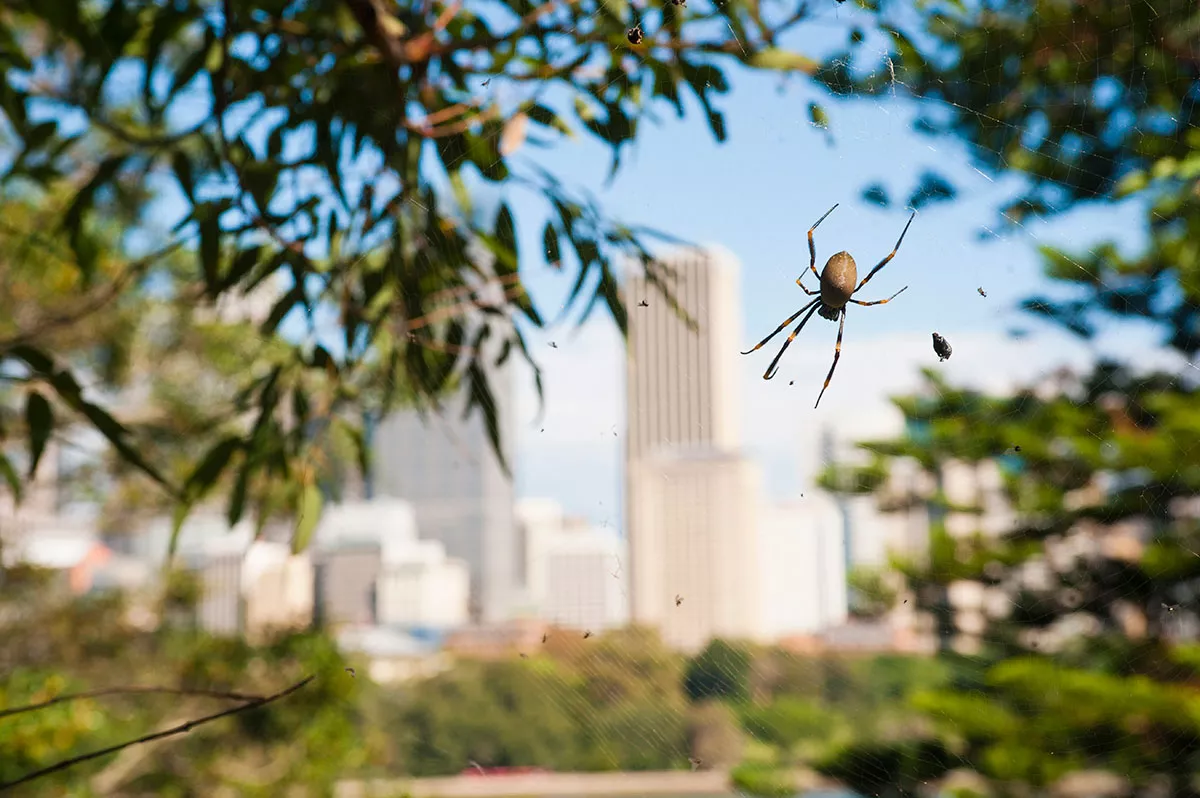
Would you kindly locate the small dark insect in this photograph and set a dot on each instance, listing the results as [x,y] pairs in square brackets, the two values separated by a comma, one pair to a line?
[982,293]
[941,347]
[350,671]
[486,82]
[544,636]
[524,655]
[634,34]
[791,382]
[586,635]
[1170,607]
[1016,448]
[553,345]
[694,762]
[906,601]
[643,304]
[678,599]
[837,287]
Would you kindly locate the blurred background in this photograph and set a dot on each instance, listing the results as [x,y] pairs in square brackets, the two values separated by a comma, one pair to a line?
[372,417]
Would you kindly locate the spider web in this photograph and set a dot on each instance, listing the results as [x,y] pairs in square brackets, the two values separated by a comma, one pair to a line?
[757,196]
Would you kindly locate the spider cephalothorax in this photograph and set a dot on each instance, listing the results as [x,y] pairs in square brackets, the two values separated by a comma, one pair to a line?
[837,287]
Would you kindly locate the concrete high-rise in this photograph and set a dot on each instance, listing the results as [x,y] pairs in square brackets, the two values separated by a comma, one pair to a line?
[681,383]
[690,497]
[446,468]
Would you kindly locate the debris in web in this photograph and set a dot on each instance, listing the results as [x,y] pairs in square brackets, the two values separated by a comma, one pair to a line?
[941,347]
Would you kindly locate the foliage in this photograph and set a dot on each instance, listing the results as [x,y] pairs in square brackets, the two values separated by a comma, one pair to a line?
[1089,102]
[763,781]
[721,670]
[56,645]
[343,148]
[871,595]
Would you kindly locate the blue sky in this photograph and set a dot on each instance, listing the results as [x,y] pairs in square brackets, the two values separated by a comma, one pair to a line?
[757,195]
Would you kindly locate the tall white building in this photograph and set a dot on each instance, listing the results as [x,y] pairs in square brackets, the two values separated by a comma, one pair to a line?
[696,537]
[803,566]
[445,467]
[691,499]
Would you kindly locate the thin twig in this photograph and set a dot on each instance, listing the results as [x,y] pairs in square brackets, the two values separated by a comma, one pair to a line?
[180,729]
[4,713]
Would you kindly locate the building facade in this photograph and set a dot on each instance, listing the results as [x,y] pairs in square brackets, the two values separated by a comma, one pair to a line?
[445,466]
[691,499]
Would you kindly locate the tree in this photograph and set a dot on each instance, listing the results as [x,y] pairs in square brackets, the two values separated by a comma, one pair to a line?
[1100,567]
[721,670]
[344,144]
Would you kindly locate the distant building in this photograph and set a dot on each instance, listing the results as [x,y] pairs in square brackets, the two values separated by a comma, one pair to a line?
[249,587]
[445,467]
[371,568]
[802,566]
[584,586]
[691,499]
[698,522]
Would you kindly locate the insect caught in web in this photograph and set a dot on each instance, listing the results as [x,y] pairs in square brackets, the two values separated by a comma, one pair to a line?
[634,34]
[678,599]
[836,289]
[941,348]
[982,293]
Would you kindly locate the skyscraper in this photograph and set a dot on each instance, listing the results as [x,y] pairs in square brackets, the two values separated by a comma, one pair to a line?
[690,498]
[445,467]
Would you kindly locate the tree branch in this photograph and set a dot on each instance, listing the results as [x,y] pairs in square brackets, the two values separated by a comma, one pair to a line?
[4,713]
[180,729]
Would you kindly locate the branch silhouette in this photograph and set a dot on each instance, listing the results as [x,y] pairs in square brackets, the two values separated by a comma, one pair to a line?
[180,729]
[183,691]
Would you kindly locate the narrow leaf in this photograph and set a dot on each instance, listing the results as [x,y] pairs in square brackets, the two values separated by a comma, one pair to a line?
[550,245]
[211,467]
[10,476]
[783,61]
[308,512]
[39,418]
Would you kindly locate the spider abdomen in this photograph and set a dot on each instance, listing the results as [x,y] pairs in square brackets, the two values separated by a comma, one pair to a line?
[838,280]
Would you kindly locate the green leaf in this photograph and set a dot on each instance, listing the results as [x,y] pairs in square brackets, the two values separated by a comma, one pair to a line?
[210,250]
[182,510]
[550,245]
[209,470]
[39,134]
[546,117]
[783,61]
[10,476]
[237,497]
[506,237]
[481,396]
[39,418]
[817,115]
[308,513]
[181,165]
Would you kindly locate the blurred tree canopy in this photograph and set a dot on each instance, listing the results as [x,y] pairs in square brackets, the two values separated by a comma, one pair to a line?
[196,151]
[1091,593]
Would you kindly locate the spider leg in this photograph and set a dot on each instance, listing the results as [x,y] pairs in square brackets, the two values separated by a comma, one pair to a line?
[771,369]
[812,248]
[880,301]
[779,329]
[837,353]
[885,261]
[803,287]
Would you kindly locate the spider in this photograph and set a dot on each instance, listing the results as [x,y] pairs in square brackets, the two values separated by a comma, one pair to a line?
[836,289]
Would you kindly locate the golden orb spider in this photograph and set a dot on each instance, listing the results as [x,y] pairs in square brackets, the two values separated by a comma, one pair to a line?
[836,289]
